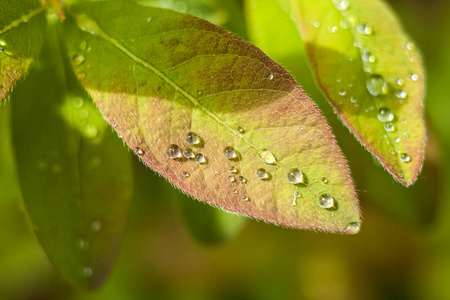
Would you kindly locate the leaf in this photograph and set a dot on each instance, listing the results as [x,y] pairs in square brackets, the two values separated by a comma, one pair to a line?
[22,26]
[75,174]
[157,81]
[371,72]
[209,225]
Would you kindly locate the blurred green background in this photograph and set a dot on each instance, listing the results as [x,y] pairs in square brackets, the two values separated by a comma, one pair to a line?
[177,248]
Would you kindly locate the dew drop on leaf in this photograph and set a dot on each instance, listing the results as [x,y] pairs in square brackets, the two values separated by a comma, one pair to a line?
[139,151]
[352,228]
[200,158]
[230,153]
[333,29]
[364,29]
[189,153]
[234,191]
[78,59]
[81,76]
[192,138]
[324,180]
[174,151]
[405,158]
[401,94]
[83,45]
[316,24]
[398,140]
[385,115]
[342,93]
[295,176]
[326,201]
[270,77]
[399,81]
[242,179]
[268,157]
[87,272]
[245,198]
[96,226]
[262,174]
[413,77]
[185,174]
[342,5]
[389,127]
[231,179]
[240,129]
[233,170]
[376,85]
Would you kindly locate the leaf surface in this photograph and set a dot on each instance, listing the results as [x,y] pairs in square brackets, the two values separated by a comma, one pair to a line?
[372,74]
[158,75]
[22,26]
[75,174]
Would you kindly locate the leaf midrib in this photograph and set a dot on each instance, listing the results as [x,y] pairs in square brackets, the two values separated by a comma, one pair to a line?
[24,19]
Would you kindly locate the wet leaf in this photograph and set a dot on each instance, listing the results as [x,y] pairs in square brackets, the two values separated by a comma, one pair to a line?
[371,72]
[213,115]
[22,25]
[75,174]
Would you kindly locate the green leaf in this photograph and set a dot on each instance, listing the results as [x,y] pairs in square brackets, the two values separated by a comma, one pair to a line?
[372,74]
[22,26]
[209,225]
[156,81]
[75,174]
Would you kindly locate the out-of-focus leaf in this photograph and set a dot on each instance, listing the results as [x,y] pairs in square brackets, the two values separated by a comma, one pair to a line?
[371,72]
[209,225]
[158,75]
[22,26]
[75,174]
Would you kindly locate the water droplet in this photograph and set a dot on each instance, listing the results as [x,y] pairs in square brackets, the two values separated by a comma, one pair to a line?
[333,29]
[389,127]
[174,151]
[149,19]
[233,170]
[230,153]
[78,59]
[296,176]
[270,77]
[185,174]
[367,56]
[409,46]
[87,272]
[189,153]
[353,100]
[326,201]
[139,151]
[342,4]
[235,191]
[78,102]
[231,179]
[3,48]
[192,138]
[96,226]
[352,228]
[297,195]
[376,85]
[324,180]
[262,174]
[413,77]
[342,93]
[200,158]
[199,92]
[91,132]
[240,129]
[81,76]
[268,157]
[398,140]
[242,179]
[364,29]
[83,244]
[316,24]
[405,157]
[217,172]
[385,115]
[401,94]
[245,198]
[399,81]
[83,45]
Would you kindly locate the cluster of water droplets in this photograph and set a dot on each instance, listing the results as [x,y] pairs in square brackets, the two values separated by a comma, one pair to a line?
[79,58]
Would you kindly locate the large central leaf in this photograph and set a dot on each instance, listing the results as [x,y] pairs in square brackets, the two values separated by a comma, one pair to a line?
[212,114]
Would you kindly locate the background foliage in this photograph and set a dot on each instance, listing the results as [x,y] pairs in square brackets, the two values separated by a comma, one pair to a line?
[402,251]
